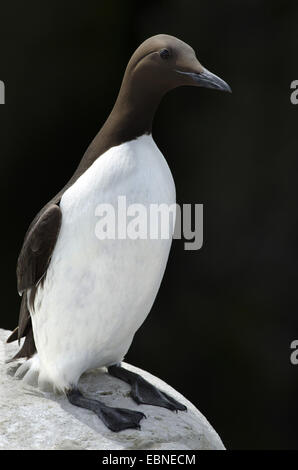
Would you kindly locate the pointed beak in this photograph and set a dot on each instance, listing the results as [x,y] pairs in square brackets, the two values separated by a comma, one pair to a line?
[207,79]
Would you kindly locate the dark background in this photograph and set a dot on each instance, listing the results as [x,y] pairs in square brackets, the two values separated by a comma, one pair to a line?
[221,327]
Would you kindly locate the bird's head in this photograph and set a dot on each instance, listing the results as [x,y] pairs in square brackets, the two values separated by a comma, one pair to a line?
[164,62]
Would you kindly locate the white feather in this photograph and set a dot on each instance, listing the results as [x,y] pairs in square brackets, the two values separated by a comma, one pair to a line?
[97,293]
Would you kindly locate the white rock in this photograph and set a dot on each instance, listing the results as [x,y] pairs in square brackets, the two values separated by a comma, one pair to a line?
[31,419]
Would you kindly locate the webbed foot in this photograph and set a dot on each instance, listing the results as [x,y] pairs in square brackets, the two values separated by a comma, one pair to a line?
[116,419]
[143,392]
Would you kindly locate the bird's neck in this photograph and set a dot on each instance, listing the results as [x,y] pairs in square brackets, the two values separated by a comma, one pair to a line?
[131,117]
[133,113]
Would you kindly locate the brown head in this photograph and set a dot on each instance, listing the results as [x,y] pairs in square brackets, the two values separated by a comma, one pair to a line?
[164,62]
[160,64]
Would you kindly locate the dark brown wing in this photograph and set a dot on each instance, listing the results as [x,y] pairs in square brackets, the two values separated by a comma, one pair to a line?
[24,322]
[32,265]
[37,248]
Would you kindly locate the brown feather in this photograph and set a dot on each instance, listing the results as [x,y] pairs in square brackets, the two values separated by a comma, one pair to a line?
[24,322]
[28,348]
[37,249]
[13,336]
[24,318]
[32,265]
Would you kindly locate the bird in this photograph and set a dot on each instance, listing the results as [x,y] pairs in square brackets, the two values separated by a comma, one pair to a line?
[84,298]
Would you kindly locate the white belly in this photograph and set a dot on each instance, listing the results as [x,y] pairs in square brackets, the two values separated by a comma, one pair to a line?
[97,293]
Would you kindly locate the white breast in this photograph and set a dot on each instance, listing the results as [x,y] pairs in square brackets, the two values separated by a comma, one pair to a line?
[97,293]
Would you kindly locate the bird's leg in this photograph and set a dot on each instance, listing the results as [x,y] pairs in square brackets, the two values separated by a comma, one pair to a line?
[143,392]
[116,419]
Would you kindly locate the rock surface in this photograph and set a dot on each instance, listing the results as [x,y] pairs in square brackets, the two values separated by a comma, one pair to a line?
[31,419]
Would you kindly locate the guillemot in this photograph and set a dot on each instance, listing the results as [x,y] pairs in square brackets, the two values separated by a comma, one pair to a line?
[84,299]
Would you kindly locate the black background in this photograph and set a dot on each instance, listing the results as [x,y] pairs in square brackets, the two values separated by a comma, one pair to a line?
[221,327]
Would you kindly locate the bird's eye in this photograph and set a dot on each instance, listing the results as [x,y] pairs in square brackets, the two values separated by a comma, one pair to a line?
[164,53]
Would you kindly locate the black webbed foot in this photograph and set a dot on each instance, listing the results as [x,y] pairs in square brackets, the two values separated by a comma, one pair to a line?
[143,392]
[116,419]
